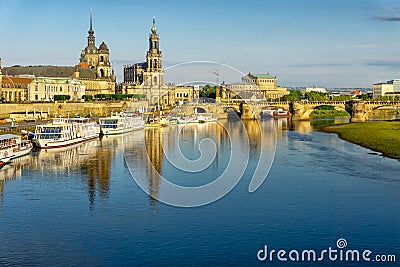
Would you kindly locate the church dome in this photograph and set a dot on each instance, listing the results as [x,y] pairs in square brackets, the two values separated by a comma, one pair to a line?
[103,48]
[91,49]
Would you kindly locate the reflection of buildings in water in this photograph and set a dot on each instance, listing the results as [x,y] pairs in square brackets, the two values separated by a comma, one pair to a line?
[303,127]
[13,171]
[155,154]
[92,159]
[253,129]
[97,169]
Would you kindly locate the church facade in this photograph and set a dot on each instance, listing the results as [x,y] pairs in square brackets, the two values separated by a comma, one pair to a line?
[93,75]
[102,80]
[147,77]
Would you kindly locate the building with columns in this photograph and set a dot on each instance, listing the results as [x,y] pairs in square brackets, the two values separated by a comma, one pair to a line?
[253,86]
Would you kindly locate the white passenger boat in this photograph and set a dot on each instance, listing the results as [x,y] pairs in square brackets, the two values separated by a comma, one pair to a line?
[196,119]
[65,132]
[273,112]
[12,146]
[121,123]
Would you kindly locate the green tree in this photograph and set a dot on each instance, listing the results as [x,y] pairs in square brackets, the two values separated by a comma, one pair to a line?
[87,97]
[293,95]
[316,96]
[364,97]
[342,98]
[384,98]
[208,91]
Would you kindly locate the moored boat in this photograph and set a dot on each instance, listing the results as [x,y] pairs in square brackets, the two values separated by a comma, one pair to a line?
[281,113]
[121,123]
[12,146]
[65,132]
[196,119]
[273,112]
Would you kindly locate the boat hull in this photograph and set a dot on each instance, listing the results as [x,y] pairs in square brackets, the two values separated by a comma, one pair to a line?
[42,144]
[13,153]
[120,131]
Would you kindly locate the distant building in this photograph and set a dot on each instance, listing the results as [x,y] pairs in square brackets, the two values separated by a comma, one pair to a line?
[150,72]
[44,89]
[148,78]
[93,71]
[390,88]
[96,61]
[15,89]
[253,86]
[316,89]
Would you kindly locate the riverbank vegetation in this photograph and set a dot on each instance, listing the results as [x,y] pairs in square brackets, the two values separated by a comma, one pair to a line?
[382,137]
[328,112]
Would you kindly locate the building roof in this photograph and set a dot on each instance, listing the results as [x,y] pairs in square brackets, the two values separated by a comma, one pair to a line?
[15,82]
[8,136]
[141,64]
[263,76]
[49,71]
[103,48]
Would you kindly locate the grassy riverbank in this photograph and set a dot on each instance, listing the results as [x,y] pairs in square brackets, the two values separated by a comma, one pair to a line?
[328,114]
[382,137]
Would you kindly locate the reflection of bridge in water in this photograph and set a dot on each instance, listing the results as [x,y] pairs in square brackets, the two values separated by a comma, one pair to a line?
[300,110]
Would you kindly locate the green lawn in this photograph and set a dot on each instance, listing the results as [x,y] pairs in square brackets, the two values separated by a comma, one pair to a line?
[328,114]
[378,136]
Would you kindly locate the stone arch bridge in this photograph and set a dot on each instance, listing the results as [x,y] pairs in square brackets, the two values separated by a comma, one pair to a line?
[300,110]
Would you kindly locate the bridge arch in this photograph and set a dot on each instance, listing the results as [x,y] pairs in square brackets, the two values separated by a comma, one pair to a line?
[369,112]
[200,110]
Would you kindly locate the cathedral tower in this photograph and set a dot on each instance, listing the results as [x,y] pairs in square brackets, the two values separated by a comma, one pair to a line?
[103,67]
[154,58]
[91,49]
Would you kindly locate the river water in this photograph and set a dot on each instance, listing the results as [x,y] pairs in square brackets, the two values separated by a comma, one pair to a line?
[81,206]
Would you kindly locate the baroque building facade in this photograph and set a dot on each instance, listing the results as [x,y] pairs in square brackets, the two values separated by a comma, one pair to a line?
[93,75]
[148,78]
[99,78]
[254,87]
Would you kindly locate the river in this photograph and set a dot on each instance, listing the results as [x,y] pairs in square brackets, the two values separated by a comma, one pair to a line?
[84,206]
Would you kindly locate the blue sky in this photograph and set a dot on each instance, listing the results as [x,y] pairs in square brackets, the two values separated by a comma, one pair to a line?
[331,43]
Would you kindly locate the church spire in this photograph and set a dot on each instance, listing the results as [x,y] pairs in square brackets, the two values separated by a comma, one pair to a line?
[91,13]
[91,38]
[154,29]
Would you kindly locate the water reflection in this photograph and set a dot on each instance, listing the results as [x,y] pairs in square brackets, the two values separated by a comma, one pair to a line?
[12,172]
[159,151]
[92,161]
[155,154]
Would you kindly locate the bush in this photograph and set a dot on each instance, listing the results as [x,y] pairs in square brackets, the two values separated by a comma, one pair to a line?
[87,97]
[62,97]
[325,107]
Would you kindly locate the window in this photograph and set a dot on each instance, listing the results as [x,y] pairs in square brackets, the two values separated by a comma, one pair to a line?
[60,89]
[36,88]
[36,97]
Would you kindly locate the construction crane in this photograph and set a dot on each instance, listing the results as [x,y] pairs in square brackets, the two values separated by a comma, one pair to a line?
[216,73]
